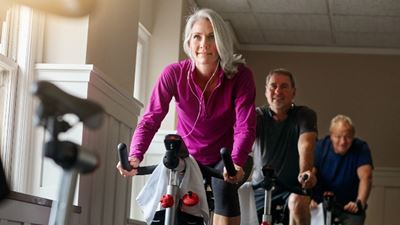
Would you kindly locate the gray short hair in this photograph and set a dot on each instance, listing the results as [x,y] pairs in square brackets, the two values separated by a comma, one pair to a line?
[342,119]
[223,40]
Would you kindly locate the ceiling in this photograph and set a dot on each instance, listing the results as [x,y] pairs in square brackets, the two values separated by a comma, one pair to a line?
[321,25]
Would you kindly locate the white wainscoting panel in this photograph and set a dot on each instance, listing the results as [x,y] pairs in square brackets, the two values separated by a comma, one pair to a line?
[383,203]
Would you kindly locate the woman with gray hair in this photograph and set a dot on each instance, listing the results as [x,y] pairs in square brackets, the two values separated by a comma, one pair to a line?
[215,103]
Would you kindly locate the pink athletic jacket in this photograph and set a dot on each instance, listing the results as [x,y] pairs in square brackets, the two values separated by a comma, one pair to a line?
[227,119]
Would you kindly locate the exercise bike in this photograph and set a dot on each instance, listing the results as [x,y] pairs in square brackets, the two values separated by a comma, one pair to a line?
[333,209]
[276,214]
[54,104]
[174,161]
[329,209]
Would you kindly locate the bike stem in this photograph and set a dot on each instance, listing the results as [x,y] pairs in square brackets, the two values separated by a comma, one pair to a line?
[172,189]
[175,165]
[269,186]
[267,217]
[61,209]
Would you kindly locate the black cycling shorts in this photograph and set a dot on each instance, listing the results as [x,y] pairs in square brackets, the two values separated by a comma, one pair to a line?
[226,199]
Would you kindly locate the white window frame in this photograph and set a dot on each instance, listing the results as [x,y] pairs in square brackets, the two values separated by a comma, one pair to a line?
[8,80]
[141,65]
[20,44]
[139,93]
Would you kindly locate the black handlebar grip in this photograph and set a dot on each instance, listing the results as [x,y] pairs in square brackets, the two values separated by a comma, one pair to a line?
[123,157]
[146,170]
[226,157]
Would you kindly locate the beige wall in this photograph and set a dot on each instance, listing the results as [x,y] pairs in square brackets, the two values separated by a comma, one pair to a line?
[106,38]
[68,48]
[147,13]
[112,39]
[364,87]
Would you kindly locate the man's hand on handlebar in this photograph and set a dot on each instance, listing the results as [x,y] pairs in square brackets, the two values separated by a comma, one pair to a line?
[134,162]
[234,179]
[307,179]
[354,207]
[313,204]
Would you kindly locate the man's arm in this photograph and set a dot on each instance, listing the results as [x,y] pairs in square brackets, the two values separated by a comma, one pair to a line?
[306,146]
[364,173]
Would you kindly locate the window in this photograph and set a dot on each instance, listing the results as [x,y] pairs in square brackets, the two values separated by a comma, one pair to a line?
[142,53]
[139,90]
[8,74]
[17,56]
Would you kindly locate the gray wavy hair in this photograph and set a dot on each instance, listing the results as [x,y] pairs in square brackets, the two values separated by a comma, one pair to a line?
[223,40]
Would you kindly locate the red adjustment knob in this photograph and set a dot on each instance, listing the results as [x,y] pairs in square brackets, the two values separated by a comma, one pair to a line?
[167,201]
[265,223]
[190,199]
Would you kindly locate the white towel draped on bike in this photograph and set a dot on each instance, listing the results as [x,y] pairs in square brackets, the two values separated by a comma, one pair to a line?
[247,205]
[149,197]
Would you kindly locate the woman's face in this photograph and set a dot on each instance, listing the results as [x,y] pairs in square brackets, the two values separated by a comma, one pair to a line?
[202,43]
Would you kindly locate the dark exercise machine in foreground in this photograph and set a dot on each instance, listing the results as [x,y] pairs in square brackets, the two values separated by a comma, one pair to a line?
[54,104]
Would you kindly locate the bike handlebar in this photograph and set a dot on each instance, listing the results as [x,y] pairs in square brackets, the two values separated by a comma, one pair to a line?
[270,180]
[123,157]
[146,170]
[227,159]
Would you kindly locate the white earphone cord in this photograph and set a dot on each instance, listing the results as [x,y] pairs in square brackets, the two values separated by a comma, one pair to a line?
[199,99]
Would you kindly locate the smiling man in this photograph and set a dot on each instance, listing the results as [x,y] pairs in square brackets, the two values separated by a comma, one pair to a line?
[285,140]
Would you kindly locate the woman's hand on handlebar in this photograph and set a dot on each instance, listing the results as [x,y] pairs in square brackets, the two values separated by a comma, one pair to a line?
[234,179]
[134,162]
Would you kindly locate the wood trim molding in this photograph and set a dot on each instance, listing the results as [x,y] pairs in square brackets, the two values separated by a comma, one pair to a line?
[320,49]
[17,196]
[386,177]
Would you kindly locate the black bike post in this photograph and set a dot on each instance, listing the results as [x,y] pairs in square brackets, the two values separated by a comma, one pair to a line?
[55,103]
[328,198]
[61,209]
[269,185]
[74,160]
[173,163]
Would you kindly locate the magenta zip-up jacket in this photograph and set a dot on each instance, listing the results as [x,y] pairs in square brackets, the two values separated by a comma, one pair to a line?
[227,119]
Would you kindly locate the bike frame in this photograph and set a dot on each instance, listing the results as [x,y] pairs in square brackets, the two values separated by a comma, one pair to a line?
[174,161]
[269,184]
